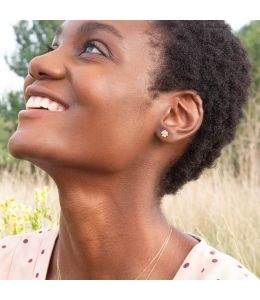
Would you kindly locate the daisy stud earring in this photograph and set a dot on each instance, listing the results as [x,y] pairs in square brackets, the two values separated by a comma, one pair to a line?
[164,133]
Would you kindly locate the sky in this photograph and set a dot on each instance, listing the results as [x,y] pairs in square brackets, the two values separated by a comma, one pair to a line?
[10,81]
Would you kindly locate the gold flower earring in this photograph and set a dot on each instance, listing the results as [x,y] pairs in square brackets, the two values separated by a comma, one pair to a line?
[164,133]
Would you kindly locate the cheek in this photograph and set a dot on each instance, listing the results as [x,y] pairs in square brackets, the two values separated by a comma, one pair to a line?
[104,139]
[105,129]
[110,85]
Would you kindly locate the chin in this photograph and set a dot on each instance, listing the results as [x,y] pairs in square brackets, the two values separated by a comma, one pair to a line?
[38,149]
[23,146]
[16,145]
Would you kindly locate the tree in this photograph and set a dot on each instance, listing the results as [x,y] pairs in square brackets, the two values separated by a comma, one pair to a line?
[33,39]
[9,110]
[250,37]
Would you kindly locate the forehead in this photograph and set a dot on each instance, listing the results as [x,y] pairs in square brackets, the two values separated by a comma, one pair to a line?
[120,29]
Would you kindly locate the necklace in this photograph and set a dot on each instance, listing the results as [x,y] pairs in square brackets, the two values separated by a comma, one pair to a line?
[155,258]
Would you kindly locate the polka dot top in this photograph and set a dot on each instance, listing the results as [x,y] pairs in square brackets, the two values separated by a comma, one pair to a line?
[27,256]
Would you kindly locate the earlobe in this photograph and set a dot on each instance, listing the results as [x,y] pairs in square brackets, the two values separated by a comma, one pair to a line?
[182,118]
[164,133]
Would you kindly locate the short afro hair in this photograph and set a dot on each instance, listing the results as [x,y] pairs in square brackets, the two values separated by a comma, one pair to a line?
[207,57]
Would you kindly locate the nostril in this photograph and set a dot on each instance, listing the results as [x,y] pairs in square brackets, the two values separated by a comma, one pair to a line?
[42,74]
[39,74]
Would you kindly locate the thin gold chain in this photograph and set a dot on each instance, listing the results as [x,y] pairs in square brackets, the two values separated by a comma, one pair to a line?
[156,257]
[58,269]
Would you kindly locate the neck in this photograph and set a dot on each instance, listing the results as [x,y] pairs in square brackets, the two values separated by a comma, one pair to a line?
[100,247]
[111,228]
[105,225]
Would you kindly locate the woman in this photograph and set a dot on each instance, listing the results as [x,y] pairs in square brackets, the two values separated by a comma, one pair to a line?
[130,111]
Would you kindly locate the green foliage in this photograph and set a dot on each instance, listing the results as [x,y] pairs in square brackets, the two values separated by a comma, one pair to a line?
[3,132]
[5,157]
[8,123]
[250,37]
[16,218]
[33,38]
[9,110]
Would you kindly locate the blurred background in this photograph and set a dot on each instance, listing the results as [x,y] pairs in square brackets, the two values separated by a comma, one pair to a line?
[222,206]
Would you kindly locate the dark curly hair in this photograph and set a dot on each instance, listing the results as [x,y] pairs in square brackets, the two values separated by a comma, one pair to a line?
[207,57]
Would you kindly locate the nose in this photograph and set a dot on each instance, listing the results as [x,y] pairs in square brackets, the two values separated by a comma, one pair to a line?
[47,66]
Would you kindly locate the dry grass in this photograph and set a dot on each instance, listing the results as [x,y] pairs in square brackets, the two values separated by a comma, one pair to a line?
[223,210]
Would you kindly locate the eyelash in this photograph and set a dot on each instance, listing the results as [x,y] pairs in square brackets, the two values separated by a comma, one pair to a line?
[86,45]
[49,48]
[92,43]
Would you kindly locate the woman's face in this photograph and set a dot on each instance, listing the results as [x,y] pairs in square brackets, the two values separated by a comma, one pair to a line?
[100,71]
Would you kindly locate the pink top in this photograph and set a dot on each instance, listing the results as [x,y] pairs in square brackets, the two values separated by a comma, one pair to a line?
[27,256]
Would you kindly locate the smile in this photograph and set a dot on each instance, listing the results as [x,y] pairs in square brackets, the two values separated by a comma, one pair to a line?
[43,103]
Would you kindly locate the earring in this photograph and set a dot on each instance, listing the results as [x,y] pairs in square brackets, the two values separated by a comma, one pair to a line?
[164,133]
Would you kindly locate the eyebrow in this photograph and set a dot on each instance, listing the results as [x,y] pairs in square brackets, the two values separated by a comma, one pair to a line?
[92,27]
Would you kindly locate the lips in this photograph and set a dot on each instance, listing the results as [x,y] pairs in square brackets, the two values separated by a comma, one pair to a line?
[45,93]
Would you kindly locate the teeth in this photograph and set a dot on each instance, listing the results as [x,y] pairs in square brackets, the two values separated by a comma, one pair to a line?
[60,108]
[53,106]
[37,102]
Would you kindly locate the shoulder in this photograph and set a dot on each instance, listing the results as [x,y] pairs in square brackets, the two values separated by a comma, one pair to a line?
[206,262]
[20,252]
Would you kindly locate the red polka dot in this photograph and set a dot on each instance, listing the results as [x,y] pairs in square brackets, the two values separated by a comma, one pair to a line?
[4,246]
[30,260]
[239,266]
[25,241]
[202,270]
[42,251]
[37,275]
[212,252]
[214,260]
[186,265]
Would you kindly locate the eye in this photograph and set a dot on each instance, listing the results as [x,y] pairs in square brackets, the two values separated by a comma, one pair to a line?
[91,47]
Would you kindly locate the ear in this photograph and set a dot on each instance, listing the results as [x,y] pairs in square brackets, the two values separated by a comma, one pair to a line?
[182,115]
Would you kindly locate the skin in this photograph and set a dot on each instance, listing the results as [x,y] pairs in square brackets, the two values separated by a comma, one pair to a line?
[106,154]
